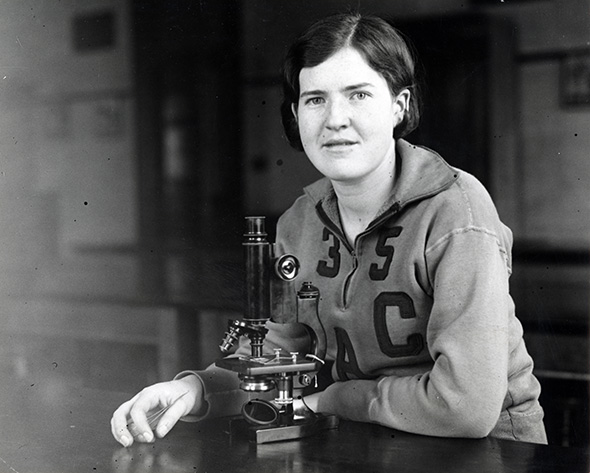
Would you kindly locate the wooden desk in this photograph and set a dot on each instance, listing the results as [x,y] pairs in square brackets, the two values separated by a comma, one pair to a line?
[50,428]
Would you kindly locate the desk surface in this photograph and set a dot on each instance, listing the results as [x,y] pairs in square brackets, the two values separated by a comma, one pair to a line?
[47,427]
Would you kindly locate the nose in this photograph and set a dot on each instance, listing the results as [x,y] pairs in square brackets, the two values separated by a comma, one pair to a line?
[337,115]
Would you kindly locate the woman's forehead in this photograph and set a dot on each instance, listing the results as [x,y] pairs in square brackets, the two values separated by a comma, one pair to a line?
[344,68]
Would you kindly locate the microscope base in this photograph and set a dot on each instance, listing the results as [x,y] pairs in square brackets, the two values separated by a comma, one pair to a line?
[299,429]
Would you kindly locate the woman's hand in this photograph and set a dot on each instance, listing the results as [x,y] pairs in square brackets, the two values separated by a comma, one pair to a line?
[312,401]
[130,420]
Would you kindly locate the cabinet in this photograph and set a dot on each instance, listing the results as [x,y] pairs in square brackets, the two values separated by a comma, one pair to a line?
[274,173]
[467,69]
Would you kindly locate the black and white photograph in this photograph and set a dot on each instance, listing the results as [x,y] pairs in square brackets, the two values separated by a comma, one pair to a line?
[294,236]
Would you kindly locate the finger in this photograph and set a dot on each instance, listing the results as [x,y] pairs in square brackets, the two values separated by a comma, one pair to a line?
[121,434]
[119,425]
[137,422]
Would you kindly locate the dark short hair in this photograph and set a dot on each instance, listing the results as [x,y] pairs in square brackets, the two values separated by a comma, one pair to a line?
[382,46]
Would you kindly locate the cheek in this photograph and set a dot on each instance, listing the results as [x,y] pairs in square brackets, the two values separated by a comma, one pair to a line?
[388,121]
[307,127]
[379,131]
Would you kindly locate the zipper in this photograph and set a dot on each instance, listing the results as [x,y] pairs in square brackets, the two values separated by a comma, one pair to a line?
[353,251]
[348,280]
[335,229]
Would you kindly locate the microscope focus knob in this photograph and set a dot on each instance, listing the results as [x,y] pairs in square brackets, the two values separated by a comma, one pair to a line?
[287,267]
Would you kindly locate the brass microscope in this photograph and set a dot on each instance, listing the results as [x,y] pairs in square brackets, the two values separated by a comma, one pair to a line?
[267,276]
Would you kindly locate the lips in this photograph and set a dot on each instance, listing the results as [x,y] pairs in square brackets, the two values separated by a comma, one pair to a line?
[338,143]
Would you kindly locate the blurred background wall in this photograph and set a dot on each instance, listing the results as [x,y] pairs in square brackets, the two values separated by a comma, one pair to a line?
[135,135]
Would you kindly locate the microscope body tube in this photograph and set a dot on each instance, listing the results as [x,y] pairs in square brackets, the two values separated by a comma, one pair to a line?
[257,256]
[284,301]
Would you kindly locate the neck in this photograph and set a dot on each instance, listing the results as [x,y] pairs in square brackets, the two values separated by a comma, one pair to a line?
[359,202]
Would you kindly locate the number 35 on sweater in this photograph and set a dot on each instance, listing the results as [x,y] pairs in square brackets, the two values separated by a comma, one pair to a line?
[346,359]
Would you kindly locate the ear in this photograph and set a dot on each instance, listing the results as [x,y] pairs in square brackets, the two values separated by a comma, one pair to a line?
[294,110]
[401,104]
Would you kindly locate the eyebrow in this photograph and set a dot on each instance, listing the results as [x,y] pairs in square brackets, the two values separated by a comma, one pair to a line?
[348,88]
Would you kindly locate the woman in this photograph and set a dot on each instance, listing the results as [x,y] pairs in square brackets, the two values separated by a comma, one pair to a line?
[409,254]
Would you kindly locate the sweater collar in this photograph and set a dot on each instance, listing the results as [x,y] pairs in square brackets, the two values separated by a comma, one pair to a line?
[422,173]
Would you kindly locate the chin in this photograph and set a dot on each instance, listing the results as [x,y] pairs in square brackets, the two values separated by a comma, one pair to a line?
[344,177]
[335,169]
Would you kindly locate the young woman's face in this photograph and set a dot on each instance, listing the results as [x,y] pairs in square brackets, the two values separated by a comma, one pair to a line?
[346,115]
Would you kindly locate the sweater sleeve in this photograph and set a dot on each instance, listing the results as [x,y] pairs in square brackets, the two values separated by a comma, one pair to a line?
[468,340]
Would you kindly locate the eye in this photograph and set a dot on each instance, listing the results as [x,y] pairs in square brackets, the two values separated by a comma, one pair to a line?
[314,101]
[360,95]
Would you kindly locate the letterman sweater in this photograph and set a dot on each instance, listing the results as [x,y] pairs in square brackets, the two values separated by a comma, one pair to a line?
[417,313]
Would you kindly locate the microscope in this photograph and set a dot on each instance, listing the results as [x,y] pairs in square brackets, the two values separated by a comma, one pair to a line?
[267,277]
